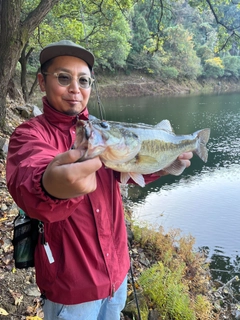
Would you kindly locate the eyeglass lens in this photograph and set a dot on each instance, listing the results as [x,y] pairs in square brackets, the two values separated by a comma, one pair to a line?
[65,79]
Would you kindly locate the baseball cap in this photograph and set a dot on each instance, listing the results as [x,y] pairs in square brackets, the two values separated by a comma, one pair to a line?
[66,48]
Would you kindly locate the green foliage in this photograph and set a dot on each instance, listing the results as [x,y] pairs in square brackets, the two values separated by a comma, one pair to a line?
[176,285]
[168,72]
[226,17]
[203,308]
[231,66]
[140,33]
[180,49]
[213,68]
[112,51]
[204,53]
[170,39]
[166,292]
[173,40]
[88,23]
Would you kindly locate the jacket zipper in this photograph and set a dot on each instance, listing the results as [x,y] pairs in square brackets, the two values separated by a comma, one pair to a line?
[113,290]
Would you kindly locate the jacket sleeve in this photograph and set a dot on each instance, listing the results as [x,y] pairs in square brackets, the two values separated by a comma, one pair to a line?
[29,154]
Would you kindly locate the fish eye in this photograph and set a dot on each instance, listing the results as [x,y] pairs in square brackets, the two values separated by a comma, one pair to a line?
[104,124]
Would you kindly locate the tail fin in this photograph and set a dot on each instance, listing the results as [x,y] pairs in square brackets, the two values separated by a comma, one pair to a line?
[202,139]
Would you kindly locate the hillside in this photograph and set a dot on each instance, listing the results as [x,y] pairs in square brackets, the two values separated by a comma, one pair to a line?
[138,84]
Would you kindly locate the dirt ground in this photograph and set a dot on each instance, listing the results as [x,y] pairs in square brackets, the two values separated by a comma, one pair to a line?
[18,291]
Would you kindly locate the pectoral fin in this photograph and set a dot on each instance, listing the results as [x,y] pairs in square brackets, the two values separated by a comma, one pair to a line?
[136,177]
[176,168]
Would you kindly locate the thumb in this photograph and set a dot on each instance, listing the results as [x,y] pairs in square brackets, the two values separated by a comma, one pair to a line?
[69,156]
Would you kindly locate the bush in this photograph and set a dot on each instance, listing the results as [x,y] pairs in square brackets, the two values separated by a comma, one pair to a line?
[176,283]
[232,66]
[168,72]
[213,68]
[166,292]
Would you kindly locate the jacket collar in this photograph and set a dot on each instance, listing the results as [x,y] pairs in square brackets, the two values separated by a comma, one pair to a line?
[60,119]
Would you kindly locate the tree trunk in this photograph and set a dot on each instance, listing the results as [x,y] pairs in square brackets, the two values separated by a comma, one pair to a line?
[10,48]
[14,34]
[23,62]
[12,90]
[34,85]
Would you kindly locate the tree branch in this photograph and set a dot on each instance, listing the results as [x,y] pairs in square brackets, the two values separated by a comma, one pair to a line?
[229,29]
[36,16]
[216,17]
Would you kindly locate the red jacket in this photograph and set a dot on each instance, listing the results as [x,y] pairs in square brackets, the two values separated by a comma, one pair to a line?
[87,235]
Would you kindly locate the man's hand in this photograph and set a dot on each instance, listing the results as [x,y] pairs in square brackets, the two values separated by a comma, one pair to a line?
[65,178]
[185,157]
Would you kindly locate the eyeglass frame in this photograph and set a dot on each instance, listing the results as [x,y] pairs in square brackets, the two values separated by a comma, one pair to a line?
[56,75]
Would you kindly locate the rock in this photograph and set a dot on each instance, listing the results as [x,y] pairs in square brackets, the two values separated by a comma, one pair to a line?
[29,111]
[32,291]
[35,111]
[4,207]
[144,260]
[24,111]
[3,147]
[236,314]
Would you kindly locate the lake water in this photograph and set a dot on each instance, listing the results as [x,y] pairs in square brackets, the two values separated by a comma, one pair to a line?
[205,200]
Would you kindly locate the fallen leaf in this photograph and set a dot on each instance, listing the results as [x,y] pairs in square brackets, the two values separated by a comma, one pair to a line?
[33,318]
[18,297]
[3,312]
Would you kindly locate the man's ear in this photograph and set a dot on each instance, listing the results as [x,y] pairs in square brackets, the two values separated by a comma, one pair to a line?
[41,82]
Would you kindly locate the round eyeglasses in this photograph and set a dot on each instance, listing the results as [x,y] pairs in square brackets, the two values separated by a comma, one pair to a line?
[65,79]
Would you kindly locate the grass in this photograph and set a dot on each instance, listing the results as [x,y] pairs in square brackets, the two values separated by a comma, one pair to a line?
[177,282]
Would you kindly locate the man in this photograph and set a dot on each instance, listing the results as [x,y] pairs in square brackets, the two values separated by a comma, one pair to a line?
[81,259]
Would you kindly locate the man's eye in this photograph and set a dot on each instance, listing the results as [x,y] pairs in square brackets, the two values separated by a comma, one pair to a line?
[83,80]
[64,77]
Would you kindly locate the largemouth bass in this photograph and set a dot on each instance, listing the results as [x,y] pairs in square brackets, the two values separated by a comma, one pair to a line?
[137,149]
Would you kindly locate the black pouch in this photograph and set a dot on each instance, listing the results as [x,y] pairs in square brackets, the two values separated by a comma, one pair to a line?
[25,238]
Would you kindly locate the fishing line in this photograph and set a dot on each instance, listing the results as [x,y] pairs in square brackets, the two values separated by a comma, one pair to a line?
[102,116]
[134,287]
[95,83]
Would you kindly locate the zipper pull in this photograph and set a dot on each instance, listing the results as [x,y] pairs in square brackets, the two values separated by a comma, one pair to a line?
[113,290]
[41,231]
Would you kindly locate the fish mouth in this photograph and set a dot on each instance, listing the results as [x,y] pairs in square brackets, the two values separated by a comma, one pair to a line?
[89,140]
[87,128]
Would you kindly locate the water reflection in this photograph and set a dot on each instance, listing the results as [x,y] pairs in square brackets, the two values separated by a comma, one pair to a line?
[205,205]
[225,268]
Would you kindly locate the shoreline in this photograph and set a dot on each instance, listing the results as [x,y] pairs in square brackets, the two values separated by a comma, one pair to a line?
[137,86]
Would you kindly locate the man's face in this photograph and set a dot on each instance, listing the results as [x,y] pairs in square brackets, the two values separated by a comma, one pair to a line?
[70,99]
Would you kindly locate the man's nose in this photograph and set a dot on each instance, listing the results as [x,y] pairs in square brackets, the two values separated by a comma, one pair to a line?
[74,86]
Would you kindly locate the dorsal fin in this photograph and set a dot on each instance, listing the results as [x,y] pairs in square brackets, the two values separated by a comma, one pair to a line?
[165,125]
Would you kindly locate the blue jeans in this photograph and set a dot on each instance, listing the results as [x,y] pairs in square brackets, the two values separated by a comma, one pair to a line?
[103,309]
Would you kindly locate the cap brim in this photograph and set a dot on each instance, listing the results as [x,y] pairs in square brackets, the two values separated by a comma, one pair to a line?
[66,50]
